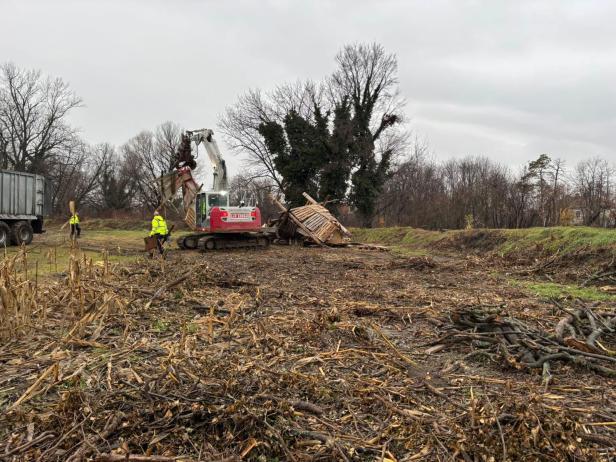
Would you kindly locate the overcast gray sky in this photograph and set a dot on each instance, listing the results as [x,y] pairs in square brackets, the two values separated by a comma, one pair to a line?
[505,79]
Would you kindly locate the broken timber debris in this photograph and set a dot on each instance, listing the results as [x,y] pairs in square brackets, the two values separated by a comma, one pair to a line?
[312,222]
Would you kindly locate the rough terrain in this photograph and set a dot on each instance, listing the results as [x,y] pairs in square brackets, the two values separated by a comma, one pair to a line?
[295,354]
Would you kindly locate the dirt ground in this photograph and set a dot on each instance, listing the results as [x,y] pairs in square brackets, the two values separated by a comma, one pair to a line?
[292,353]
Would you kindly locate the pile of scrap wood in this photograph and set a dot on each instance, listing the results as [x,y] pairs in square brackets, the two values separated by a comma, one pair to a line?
[311,223]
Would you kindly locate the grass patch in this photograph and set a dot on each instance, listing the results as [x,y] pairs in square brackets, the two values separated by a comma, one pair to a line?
[50,252]
[552,290]
[565,240]
[192,328]
[380,235]
[561,239]
[54,259]
[160,326]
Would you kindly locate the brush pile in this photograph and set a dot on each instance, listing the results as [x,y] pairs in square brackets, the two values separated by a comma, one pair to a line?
[186,360]
[576,340]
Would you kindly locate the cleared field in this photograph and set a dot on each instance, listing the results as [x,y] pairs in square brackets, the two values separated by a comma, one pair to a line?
[309,354]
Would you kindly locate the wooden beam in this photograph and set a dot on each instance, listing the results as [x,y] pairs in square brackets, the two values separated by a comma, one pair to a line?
[309,198]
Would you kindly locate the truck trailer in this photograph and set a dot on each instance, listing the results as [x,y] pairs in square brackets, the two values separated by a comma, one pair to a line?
[24,202]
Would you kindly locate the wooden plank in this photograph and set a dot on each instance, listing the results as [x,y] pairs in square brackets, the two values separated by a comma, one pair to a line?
[278,204]
[309,198]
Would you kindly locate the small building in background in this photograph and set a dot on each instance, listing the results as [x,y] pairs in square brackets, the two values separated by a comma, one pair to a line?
[576,216]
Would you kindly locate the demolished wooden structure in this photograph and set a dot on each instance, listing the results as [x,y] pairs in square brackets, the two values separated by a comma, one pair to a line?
[311,222]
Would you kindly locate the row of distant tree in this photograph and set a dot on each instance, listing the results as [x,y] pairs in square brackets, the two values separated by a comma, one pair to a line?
[478,192]
[343,140]
[36,137]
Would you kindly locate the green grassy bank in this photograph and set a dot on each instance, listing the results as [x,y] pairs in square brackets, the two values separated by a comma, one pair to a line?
[504,242]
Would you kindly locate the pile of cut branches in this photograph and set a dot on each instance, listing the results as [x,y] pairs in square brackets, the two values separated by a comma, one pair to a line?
[582,338]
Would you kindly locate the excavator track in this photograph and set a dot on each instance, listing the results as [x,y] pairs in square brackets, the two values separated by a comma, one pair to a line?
[209,242]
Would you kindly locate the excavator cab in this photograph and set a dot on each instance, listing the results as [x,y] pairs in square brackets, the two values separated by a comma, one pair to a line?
[205,202]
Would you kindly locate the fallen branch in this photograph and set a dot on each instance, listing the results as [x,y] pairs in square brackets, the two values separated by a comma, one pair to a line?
[141,458]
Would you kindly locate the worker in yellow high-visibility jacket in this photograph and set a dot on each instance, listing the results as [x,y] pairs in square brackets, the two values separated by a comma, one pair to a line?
[74,222]
[159,230]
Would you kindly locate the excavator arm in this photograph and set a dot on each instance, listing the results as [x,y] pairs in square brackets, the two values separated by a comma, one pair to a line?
[219,168]
[182,178]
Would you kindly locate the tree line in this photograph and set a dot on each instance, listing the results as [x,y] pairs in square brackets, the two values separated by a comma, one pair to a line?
[479,192]
[35,137]
[343,140]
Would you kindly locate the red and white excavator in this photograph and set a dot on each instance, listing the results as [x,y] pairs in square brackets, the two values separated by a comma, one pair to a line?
[214,223]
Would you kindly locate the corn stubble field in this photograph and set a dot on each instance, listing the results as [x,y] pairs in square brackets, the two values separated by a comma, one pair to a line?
[447,347]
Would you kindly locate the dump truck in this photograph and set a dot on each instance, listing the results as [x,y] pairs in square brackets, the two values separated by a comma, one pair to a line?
[24,202]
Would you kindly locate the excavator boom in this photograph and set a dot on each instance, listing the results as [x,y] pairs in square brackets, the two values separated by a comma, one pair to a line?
[219,168]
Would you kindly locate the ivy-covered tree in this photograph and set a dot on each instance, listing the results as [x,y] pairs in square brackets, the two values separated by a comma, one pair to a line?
[367,76]
[338,161]
[337,147]
[296,155]
[308,156]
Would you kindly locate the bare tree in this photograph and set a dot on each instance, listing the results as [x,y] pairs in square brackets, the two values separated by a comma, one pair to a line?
[115,185]
[166,141]
[140,159]
[147,156]
[593,186]
[33,113]
[240,123]
[74,175]
[558,191]
[411,195]
[255,191]
[369,76]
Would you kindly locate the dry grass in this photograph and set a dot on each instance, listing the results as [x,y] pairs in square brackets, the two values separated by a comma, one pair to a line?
[290,354]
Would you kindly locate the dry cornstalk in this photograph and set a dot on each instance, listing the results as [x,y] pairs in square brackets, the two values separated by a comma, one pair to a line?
[32,390]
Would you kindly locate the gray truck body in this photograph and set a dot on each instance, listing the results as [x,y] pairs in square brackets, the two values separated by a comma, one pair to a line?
[24,202]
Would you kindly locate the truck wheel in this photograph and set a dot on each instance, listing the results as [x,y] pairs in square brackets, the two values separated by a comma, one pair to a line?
[5,233]
[21,233]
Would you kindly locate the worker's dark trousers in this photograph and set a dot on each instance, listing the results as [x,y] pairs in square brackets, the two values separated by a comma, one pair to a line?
[160,239]
[75,230]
